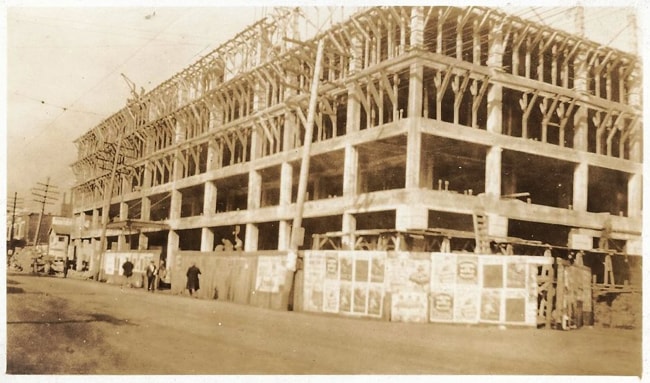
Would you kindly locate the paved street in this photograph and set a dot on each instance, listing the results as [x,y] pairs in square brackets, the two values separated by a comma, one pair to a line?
[64,326]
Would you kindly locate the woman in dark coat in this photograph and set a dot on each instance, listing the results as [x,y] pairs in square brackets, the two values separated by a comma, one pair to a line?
[193,278]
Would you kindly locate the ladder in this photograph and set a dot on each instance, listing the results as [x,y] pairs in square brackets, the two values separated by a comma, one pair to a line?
[481,233]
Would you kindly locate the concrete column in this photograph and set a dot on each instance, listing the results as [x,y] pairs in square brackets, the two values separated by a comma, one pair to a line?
[94,223]
[580,186]
[427,176]
[286,183]
[209,198]
[411,217]
[413,155]
[148,175]
[207,239]
[494,122]
[416,70]
[252,237]
[175,204]
[145,209]
[173,245]
[349,226]
[284,235]
[353,113]
[350,171]
[634,100]
[493,172]
[254,200]
[214,156]
[124,211]
[122,244]
[254,189]
[580,123]
[143,241]
[94,259]
[635,181]
[634,195]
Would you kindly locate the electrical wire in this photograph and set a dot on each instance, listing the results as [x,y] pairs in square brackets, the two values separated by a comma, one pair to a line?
[110,73]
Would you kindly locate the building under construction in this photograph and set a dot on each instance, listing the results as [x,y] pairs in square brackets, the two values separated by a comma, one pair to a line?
[463,129]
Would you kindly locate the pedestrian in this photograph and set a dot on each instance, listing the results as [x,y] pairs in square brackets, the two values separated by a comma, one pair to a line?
[151,276]
[127,271]
[162,274]
[65,267]
[193,278]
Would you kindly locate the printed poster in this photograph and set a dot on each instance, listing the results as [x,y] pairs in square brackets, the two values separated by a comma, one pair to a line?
[109,264]
[377,268]
[409,307]
[409,274]
[443,270]
[442,305]
[331,296]
[314,277]
[345,266]
[270,274]
[466,304]
[332,266]
[345,297]
[375,300]
[360,299]
[467,270]
[515,306]
[516,274]
[491,305]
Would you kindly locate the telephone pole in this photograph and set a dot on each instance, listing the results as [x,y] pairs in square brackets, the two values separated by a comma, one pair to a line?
[12,245]
[44,197]
[116,160]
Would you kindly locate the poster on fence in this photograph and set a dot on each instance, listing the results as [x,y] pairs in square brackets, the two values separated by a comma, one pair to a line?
[442,305]
[443,270]
[109,263]
[491,305]
[345,297]
[409,307]
[331,296]
[515,306]
[467,270]
[466,304]
[314,278]
[409,274]
[271,273]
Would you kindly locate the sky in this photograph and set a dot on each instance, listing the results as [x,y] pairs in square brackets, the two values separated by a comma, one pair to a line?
[64,66]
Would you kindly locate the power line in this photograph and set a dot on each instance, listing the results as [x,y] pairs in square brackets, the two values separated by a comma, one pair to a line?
[91,89]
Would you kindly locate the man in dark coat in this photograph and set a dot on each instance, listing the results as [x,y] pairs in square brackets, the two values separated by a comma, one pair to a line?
[193,278]
[127,271]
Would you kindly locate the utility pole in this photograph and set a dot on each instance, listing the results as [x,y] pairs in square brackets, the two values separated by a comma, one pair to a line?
[297,231]
[108,191]
[43,197]
[12,245]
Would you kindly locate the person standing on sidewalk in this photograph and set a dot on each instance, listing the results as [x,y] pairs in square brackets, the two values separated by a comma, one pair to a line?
[193,278]
[151,276]
[127,271]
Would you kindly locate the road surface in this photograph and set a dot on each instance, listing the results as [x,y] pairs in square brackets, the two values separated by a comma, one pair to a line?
[66,326]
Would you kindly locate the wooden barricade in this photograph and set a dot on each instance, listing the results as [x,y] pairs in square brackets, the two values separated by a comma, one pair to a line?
[240,277]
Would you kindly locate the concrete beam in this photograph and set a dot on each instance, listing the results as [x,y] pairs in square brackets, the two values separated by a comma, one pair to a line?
[477,136]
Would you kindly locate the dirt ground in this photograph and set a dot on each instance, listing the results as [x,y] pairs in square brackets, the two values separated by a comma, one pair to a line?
[72,327]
